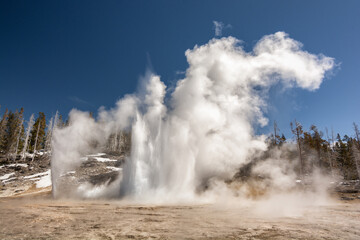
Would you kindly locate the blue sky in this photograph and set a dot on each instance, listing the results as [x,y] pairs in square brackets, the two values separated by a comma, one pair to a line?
[59,55]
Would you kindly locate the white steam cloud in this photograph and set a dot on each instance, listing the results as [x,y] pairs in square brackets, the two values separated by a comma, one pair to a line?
[205,131]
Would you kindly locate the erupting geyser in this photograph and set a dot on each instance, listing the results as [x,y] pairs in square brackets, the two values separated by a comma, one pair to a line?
[204,132]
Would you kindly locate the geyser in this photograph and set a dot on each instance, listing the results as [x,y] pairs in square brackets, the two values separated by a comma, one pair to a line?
[204,132]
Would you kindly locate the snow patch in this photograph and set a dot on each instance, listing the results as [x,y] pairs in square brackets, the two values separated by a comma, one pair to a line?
[15,165]
[114,168]
[38,174]
[67,173]
[45,181]
[8,180]
[100,159]
[6,176]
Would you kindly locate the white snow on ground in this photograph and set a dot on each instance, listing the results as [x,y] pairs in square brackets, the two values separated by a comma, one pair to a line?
[38,174]
[15,165]
[114,168]
[100,159]
[9,179]
[45,181]
[30,155]
[6,176]
[42,179]
[39,153]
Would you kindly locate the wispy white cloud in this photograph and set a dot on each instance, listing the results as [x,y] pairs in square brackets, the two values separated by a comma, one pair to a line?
[78,100]
[180,72]
[219,26]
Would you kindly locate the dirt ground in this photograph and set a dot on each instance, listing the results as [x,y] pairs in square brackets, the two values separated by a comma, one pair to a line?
[40,217]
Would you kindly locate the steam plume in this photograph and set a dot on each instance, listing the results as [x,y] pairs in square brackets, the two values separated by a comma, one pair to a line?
[205,131]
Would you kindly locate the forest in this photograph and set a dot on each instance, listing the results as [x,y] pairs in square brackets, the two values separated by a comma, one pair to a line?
[333,154]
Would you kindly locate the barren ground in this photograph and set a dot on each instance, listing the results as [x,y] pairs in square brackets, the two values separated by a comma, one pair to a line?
[41,217]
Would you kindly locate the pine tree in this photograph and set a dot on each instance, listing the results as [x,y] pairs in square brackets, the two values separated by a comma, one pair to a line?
[3,124]
[345,158]
[37,140]
[317,142]
[14,130]
[11,134]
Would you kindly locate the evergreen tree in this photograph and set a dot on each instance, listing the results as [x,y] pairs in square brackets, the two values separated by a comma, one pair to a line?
[343,147]
[10,133]
[3,124]
[59,122]
[317,143]
[37,140]
[14,129]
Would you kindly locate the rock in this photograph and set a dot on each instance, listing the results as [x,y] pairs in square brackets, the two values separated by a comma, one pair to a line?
[347,198]
[103,178]
[347,190]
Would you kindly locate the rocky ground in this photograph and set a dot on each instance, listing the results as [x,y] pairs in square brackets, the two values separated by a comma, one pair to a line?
[20,177]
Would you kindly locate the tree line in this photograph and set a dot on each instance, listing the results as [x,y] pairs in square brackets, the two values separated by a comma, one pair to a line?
[16,141]
[334,154]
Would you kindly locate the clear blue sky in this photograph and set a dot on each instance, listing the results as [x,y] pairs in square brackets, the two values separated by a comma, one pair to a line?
[59,55]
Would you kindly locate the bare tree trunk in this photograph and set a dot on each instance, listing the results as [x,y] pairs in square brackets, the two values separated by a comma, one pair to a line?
[29,127]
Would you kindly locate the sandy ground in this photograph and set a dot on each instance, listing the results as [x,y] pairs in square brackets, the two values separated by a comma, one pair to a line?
[40,217]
